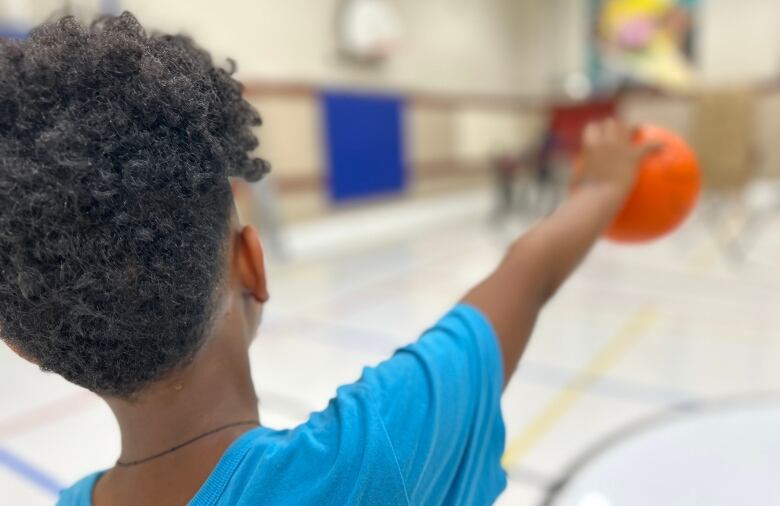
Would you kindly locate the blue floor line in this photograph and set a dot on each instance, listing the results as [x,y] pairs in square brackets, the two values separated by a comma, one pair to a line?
[42,480]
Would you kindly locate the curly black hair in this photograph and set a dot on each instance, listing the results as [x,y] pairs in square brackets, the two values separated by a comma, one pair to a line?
[115,152]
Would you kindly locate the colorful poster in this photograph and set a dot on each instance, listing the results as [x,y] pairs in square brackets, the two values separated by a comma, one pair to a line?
[643,42]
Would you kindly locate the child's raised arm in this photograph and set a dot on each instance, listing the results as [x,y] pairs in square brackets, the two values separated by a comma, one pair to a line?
[538,263]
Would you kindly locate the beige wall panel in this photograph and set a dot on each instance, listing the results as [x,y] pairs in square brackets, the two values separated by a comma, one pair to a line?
[767,134]
[483,132]
[430,132]
[290,137]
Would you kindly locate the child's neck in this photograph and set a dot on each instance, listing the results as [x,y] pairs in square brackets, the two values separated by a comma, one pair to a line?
[214,390]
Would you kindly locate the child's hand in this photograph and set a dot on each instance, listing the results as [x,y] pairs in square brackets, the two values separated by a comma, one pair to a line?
[610,158]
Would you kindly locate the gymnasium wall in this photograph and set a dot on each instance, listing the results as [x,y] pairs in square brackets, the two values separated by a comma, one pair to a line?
[471,73]
[454,46]
[449,141]
[462,69]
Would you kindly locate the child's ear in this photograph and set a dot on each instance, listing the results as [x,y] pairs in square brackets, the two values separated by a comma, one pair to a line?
[19,352]
[251,264]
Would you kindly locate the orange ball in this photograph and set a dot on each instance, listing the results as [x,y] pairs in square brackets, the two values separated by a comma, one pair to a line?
[665,193]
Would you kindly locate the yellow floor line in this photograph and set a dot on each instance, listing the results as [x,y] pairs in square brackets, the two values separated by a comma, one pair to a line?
[701,261]
[557,408]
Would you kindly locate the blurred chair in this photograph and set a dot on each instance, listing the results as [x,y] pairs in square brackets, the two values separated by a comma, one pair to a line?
[543,168]
[560,145]
[505,171]
[568,122]
[531,179]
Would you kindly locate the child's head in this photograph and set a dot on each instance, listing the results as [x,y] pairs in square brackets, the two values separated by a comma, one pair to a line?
[115,205]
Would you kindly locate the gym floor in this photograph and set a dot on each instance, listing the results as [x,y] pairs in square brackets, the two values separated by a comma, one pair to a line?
[640,331]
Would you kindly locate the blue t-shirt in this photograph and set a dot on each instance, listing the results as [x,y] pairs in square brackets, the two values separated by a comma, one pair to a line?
[424,427]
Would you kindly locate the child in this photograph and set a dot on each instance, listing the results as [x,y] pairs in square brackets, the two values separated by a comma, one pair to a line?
[124,268]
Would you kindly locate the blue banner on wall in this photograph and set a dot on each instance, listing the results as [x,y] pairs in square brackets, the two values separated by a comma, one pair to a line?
[365,145]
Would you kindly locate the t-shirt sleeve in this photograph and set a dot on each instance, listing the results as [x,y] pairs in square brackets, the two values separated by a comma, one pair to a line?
[439,402]
[424,427]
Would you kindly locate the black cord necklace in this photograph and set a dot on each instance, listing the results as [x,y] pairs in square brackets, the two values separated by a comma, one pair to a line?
[119,463]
